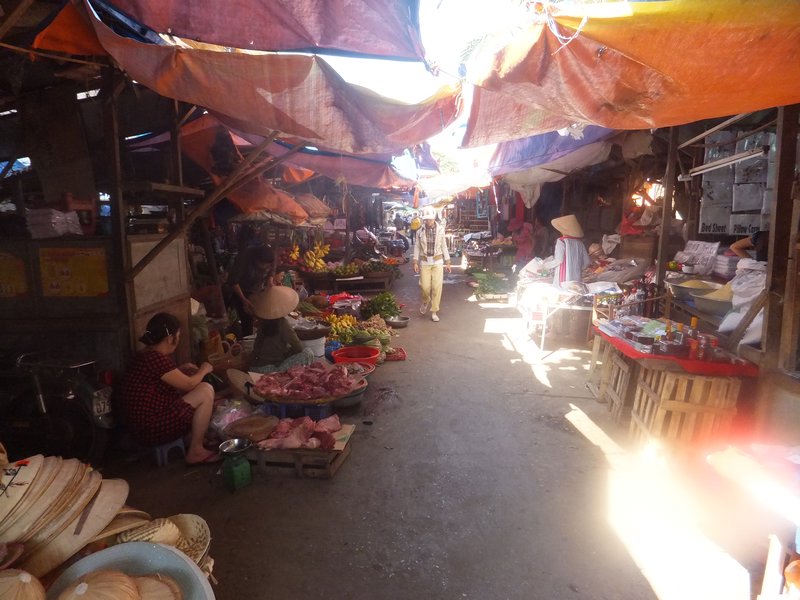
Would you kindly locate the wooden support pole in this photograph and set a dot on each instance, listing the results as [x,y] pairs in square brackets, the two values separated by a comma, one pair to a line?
[666,212]
[176,163]
[121,259]
[780,236]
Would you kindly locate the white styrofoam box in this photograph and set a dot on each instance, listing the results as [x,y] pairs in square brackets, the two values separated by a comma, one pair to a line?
[748,196]
[766,208]
[723,174]
[717,193]
[726,147]
[752,170]
[714,219]
[755,141]
[771,172]
[744,224]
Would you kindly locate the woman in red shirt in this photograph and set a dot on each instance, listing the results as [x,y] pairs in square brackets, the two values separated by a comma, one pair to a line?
[160,401]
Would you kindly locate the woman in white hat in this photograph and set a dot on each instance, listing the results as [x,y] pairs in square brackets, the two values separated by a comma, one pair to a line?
[277,346]
[430,259]
[570,257]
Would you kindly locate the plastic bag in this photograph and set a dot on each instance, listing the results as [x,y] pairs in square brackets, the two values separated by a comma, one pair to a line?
[228,412]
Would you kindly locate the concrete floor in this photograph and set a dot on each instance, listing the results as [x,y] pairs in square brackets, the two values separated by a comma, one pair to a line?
[480,468]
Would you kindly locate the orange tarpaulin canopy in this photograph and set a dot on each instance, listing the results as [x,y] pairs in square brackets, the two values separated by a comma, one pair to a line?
[205,146]
[301,96]
[70,33]
[386,28]
[639,65]
[293,175]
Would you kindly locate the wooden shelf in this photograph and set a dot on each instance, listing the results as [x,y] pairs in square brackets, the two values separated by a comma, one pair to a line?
[153,187]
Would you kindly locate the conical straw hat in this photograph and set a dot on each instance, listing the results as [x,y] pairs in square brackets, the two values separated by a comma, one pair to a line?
[568,225]
[274,303]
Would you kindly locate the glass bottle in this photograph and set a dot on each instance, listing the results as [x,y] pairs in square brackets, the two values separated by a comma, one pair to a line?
[678,335]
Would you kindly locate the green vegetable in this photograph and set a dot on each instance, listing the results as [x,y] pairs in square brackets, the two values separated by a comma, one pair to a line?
[384,304]
[489,283]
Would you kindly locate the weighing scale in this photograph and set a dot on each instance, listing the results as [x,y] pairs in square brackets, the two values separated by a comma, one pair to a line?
[236,470]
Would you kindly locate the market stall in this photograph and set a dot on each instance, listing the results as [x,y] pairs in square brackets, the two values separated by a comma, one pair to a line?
[676,386]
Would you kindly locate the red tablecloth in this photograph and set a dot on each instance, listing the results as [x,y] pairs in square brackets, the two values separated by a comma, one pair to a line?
[695,367]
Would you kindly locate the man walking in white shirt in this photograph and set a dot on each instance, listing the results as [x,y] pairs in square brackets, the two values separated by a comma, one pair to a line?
[430,259]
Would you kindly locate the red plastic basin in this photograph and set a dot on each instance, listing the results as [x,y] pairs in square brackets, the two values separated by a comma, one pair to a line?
[362,354]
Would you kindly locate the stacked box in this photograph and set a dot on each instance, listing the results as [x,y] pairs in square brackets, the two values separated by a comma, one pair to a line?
[748,196]
[714,219]
[753,170]
[717,193]
[727,148]
[747,224]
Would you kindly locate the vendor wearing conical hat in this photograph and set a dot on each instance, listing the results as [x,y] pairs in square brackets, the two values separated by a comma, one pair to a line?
[569,257]
[277,346]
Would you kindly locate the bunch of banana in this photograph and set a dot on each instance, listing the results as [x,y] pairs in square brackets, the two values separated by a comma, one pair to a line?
[294,254]
[314,262]
[321,249]
[342,327]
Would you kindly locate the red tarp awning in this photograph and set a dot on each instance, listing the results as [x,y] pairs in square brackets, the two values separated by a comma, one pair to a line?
[252,197]
[300,96]
[657,65]
[382,28]
[374,172]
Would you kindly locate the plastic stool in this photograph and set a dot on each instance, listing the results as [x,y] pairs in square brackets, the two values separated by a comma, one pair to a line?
[161,453]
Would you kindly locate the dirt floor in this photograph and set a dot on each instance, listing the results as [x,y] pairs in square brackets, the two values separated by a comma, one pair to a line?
[481,467]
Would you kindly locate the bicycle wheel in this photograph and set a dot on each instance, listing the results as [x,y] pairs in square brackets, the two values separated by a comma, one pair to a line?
[70,431]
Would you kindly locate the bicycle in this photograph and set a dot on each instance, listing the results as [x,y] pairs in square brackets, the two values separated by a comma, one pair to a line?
[52,407]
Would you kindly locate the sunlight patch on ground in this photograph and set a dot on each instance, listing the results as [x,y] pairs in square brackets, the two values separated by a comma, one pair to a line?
[655,517]
[514,337]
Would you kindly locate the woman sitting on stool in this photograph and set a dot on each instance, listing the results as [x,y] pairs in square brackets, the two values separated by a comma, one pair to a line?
[162,402]
[277,346]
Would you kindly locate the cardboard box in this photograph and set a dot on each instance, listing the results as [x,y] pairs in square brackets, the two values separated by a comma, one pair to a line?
[748,196]
[717,193]
[714,219]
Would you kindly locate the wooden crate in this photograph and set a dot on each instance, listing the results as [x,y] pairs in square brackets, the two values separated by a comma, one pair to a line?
[682,409]
[617,380]
[619,390]
[313,464]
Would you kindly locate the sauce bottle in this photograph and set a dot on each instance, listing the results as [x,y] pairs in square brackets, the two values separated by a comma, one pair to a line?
[692,331]
[678,335]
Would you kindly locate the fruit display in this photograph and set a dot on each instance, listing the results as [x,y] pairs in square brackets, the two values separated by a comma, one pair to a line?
[376,266]
[313,259]
[342,327]
[290,256]
[349,270]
